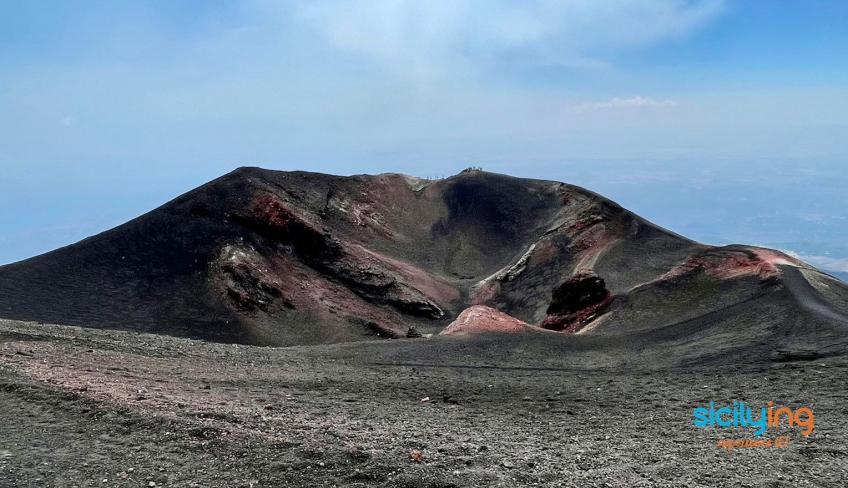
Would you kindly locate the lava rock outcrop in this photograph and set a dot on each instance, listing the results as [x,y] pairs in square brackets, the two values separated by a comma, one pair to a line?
[576,302]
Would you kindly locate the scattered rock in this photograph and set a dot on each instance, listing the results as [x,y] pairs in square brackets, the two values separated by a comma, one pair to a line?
[415,456]
[450,399]
[382,330]
[358,454]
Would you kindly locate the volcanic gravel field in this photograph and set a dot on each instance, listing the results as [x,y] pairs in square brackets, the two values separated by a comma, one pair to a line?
[87,407]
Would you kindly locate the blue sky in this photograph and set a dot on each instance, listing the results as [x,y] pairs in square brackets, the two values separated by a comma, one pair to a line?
[108,109]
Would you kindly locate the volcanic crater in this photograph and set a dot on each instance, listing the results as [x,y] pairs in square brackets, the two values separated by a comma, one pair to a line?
[294,258]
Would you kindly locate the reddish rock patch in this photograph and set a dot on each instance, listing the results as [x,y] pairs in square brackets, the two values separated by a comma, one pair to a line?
[576,302]
[281,284]
[726,264]
[272,211]
[484,291]
[480,319]
[431,286]
[591,244]
[545,251]
[274,218]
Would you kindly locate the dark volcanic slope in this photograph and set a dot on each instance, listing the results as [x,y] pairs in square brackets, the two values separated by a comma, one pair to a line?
[279,258]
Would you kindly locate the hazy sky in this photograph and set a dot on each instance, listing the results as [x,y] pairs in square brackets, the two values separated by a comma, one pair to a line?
[108,109]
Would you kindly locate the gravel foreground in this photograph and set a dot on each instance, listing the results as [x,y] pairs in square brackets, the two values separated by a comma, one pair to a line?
[100,408]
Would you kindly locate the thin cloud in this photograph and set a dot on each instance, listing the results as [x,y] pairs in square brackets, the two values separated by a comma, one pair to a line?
[635,102]
[438,36]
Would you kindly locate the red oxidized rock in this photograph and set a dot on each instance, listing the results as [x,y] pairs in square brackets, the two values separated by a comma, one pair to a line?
[483,319]
[576,302]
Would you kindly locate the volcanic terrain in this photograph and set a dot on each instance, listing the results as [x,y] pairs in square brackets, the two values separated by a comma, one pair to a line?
[479,330]
[293,258]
